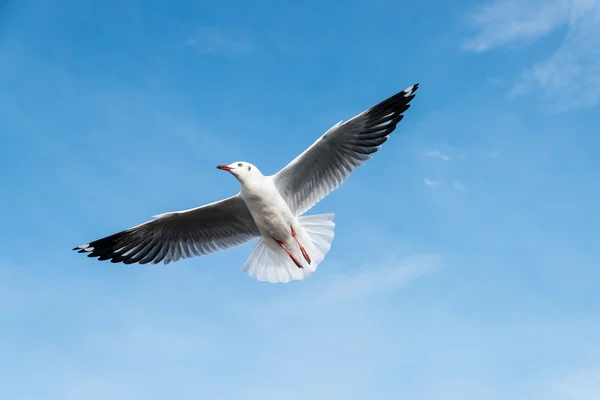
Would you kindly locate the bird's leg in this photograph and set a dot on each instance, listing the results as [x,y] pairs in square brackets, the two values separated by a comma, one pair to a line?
[302,249]
[293,257]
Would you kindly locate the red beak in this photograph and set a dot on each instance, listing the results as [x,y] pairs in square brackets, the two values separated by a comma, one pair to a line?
[224,167]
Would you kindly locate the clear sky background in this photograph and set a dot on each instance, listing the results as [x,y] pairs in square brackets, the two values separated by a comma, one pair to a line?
[466,262]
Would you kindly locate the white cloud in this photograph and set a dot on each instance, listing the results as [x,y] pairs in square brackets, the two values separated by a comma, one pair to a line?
[504,22]
[570,76]
[429,182]
[436,153]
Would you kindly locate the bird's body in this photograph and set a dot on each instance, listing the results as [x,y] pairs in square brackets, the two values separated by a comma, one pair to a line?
[291,244]
[270,212]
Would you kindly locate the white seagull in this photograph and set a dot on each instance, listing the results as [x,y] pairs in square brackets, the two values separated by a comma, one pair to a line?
[291,245]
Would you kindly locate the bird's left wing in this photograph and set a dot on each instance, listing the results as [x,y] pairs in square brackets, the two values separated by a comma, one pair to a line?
[181,234]
[336,154]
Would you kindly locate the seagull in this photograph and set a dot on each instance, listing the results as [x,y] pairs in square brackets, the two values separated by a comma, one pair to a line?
[271,208]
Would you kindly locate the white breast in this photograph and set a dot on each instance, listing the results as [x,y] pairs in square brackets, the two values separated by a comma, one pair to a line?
[271,213]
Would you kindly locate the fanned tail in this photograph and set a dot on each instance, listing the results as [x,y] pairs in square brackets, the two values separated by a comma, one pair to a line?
[269,262]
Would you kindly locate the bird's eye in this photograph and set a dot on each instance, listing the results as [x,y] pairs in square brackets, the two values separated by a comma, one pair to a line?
[249,167]
[240,164]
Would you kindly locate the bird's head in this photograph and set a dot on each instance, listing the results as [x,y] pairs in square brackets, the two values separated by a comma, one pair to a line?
[241,170]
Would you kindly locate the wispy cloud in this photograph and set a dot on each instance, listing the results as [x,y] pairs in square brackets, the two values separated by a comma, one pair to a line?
[378,279]
[458,186]
[454,184]
[436,153]
[385,273]
[209,40]
[501,22]
[570,76]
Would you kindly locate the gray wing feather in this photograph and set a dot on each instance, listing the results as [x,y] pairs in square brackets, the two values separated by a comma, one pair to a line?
[181,234]
[335,155]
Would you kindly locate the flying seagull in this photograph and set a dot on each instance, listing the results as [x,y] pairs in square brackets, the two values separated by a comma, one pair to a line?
[291,245]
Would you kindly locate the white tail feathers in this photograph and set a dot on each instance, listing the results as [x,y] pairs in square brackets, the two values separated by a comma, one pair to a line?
[269,262]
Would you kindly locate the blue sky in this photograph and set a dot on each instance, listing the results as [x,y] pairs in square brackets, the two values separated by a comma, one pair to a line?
[465,264]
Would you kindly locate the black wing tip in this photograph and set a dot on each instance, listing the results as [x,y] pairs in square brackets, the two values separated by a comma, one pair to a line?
[112,248]
[389,113]
[102,249]
[411,89]
[90,250]
[396,104]
[100,255]
[84,248]
[409,92]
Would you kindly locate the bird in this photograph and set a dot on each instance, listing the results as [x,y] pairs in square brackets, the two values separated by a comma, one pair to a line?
[269,207]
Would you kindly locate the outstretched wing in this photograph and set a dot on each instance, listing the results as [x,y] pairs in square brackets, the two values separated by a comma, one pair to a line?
[336,154]
[182,234]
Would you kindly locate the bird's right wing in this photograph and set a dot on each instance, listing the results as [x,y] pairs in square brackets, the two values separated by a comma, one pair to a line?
[181,234]
[335,155]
